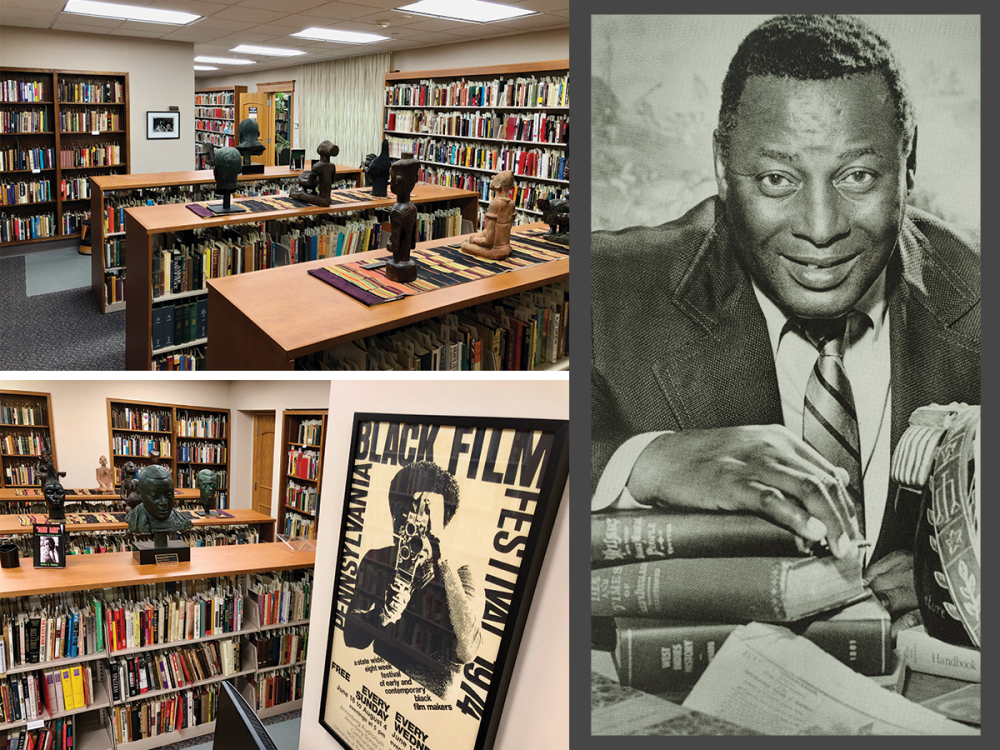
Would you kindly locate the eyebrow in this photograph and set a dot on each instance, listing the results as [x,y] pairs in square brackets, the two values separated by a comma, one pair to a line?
[770,153]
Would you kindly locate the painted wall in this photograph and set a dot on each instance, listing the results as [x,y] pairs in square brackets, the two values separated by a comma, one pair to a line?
[536,714]
[160,76]
[535,47]
[248,396]
[80,414]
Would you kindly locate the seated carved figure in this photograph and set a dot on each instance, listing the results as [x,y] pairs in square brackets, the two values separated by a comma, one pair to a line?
[493,242]
[555,213]
[318,179]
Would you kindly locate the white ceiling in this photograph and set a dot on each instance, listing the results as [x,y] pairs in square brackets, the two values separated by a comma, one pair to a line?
[228,23]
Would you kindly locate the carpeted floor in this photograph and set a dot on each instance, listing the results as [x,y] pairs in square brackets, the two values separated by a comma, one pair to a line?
[56,271]
[284,730]
[62,330]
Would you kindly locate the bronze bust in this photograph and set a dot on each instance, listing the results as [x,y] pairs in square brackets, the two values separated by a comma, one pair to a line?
[156,515]
[207,481]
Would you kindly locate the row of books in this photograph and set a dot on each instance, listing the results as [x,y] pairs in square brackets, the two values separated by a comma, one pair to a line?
[202,453]
[74,188]
[278,687]
[180,323]
[140,445]
[301,498]
[23,412]
[21,228]
[114,286]
[97,155]
[32,634]
[214,126]
[539,127]
[187,477]
[201,425]
[323,240]
[23,159]
[218,99]
[282,597]
[299,527]
[35,695]
[280,647]
[29,443]
[26,121]
[442,222]
[55,735]
[219,113]
[25,191]
[114,253]
[173,618]
[310,432]
[101,542]
[217,139]
[303,464]
[535,162]
[524,91]
[72,221]
[128,417]
[135,675]
[520,332]
[182,360]
[13,90]
[92,92]
[157,716]
[21,474]
[89,120]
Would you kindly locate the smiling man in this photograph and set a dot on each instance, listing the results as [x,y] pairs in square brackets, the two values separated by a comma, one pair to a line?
[764,352]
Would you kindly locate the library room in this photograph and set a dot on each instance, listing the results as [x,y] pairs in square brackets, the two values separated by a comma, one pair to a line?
[243,564]
[322,185]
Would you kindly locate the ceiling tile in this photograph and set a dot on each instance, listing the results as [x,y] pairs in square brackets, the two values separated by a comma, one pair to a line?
[222,24]
[339,11]
[72,22]
[291,6]
[37,4]
[135,33]
[249,15]
[543,6]
[10,15]
[14,19]
[186,6]
[187,35]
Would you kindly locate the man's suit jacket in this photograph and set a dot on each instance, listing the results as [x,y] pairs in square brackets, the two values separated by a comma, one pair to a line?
[679,340]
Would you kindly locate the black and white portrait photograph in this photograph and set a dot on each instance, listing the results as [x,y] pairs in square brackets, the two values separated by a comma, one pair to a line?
[49,546]
[160,125]
[785,374]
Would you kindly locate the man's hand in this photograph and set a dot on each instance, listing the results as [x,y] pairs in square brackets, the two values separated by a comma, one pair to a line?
[765,469]
[397,596]
[891,580]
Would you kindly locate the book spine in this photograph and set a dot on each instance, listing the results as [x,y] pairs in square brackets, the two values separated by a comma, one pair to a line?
[924,653]
[639,535]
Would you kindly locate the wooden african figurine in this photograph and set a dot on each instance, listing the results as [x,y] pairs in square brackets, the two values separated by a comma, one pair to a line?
[318,179]
[378,171]
[493,243]
[105,477]
[402,220]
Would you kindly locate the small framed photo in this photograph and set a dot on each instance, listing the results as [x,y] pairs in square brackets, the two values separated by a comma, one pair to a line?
[161,125]
[49,545]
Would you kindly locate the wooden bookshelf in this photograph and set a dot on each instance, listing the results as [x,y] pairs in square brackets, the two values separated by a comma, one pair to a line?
[418,137]
[294,437]
[75,495]
[10,526]
[216,118]
[72,120]
[266,320]
[156,188]
[182,467]
[145,223]
[34,407]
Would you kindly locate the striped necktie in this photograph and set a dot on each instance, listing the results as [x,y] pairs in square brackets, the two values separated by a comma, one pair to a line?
[829,420]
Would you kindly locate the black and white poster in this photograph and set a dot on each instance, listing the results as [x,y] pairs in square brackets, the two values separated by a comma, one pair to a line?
[445,526]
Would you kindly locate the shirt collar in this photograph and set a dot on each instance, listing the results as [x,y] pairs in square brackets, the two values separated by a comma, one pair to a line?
[872,304]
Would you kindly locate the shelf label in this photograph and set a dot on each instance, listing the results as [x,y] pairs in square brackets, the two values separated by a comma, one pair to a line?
[36,170]
[95,132]
[37,724]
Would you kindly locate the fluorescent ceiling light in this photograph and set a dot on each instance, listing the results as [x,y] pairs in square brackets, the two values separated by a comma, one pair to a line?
[223,60]
[250,49]
[205,67]
[465,10]
[334,35]
[129,12]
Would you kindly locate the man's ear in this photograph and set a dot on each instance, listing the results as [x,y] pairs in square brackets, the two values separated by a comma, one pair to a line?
[911,164]
[720,167]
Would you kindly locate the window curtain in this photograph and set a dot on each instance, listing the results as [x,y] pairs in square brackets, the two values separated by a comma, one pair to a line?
[341,101]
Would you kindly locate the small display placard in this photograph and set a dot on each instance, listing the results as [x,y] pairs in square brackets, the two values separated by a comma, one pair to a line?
[49,545]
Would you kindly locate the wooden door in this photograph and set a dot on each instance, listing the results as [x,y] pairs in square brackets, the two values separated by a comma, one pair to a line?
[256,107]
[263,461]
[281,114]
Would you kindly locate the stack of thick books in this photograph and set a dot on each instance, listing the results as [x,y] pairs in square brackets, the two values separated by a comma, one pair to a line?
[672,586]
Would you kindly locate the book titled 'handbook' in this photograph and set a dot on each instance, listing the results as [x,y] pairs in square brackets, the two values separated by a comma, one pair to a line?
[727,589]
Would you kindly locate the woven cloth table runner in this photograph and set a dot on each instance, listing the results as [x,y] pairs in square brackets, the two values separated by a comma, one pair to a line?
[279,202]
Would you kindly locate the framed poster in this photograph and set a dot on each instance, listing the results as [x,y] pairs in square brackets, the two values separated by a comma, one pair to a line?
[49,545]
[446,521]
[160,125]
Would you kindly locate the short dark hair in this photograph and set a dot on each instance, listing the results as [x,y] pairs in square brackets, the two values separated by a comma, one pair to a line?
[812,48]
[421,476]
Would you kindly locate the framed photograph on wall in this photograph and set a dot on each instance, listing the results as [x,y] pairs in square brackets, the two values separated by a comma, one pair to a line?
[445,525]
[160,125]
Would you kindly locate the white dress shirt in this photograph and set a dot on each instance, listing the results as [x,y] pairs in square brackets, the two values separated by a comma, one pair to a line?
[867,361]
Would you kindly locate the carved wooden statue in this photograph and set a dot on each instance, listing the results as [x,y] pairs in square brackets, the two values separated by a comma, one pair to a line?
[378,171]
[493,242]
[130,485]
[318,179]
[105,477]
[555,213]
[402,220]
